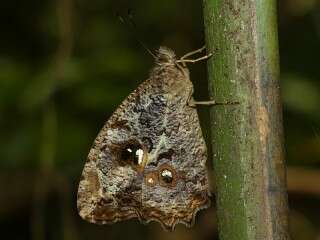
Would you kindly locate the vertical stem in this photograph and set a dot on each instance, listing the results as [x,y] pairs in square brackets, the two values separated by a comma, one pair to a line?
[247,138]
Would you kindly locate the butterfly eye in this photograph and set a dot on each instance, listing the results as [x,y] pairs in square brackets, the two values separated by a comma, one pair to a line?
[133,153]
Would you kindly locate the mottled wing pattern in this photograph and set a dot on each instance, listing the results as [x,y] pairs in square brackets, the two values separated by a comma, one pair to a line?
[180,149]
[111,190]
[149,159]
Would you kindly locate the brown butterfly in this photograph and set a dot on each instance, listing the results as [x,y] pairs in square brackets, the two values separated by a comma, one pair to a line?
[149,160]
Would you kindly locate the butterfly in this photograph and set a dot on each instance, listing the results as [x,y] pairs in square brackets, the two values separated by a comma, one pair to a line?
[149,159]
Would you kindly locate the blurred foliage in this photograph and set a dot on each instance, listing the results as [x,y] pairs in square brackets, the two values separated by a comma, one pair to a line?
[65,66]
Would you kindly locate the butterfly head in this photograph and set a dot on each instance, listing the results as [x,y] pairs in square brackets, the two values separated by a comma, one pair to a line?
[165,56]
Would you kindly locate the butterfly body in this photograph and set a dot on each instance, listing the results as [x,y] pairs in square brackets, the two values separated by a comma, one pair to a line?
[148,161]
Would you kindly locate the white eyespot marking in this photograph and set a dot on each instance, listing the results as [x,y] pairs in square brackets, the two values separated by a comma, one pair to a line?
[166,173]
[133,154]
[139,154]
[150,180]
[167,176]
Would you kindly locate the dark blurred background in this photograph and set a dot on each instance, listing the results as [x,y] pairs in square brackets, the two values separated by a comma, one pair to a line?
[65,66]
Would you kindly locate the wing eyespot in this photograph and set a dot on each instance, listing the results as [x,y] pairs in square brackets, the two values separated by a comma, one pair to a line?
[167,176]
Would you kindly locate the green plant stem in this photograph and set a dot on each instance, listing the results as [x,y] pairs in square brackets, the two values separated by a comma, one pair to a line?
[247,138]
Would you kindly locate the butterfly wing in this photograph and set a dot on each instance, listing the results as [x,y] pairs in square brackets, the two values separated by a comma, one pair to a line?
[176,182]
[148,161]
[110,186]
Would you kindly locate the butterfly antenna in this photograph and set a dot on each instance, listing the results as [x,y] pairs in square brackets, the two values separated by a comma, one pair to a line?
[129,23]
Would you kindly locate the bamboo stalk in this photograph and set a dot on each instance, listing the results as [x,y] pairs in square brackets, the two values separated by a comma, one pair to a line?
[247,138]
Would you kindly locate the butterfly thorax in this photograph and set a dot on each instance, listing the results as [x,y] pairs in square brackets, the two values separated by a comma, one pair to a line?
[171,77]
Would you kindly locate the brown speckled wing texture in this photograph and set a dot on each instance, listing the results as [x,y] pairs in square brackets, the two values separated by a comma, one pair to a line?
[149,160]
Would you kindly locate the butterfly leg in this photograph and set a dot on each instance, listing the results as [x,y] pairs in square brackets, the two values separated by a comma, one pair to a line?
[193,52]
[184,61]
[193,103]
